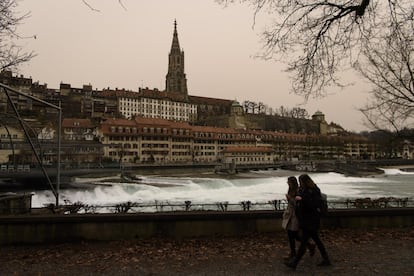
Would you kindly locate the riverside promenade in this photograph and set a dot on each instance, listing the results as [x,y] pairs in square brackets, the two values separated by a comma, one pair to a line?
[378,251]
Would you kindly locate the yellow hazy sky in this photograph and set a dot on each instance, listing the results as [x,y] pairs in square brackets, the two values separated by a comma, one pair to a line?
[128,48]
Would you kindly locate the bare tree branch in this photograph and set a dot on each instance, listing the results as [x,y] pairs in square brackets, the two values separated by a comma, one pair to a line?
[96,10]
[387,62]
[11,54]
[320,38]
[90,6]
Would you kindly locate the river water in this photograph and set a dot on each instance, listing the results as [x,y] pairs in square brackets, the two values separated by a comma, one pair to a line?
[208,188]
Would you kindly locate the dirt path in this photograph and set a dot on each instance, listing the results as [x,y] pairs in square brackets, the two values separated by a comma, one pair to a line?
[353,252]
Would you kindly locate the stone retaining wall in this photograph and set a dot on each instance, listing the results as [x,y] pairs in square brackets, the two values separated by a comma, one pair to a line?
[104,227]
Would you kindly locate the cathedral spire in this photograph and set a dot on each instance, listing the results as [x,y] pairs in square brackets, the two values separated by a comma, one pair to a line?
[175,46]
[175,79]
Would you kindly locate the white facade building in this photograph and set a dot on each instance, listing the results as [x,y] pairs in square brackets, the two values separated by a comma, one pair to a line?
[156,104]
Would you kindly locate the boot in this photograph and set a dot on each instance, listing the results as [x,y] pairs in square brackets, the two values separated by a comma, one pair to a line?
[325,261]
[290,256]
[292,263]
[311,248]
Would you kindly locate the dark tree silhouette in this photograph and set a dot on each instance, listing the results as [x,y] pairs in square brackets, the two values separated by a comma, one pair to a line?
[320,38]
[11,54]
[299,113]
[387,63]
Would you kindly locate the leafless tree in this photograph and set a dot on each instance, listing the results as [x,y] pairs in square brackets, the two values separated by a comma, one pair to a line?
[246,106]
[319,39]
[299,113]
[253,106]
[11,54]
[260,108]
[387,61]
[270,111]
[283,111]
[385,115]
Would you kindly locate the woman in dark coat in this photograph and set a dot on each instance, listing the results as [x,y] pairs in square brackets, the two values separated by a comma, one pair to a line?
[290,221]
[309,219]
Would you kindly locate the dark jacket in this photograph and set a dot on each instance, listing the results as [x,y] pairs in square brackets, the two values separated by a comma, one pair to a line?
[307,209]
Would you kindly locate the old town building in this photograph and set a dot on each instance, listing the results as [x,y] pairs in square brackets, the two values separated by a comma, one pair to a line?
[247,155]
[143,140]
[173,126]
[156,104]
[78,129]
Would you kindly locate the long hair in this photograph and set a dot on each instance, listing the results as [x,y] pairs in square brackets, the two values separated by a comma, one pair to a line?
[293,186]
[306,182]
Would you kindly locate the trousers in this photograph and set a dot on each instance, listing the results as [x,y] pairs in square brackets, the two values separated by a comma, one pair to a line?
[314,235]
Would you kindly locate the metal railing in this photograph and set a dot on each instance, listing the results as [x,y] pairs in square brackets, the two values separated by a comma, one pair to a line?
[188,206]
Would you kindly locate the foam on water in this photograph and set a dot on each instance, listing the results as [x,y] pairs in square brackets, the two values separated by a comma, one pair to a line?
[94,180]
[395,172]
[211,190]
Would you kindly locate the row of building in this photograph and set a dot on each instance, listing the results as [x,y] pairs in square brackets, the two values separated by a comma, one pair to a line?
[170,126]
[173,103]
[153,140]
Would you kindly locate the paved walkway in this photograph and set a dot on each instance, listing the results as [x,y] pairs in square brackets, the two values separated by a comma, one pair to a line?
[353,252]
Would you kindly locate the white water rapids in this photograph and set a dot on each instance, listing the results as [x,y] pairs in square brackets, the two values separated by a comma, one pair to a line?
[256,187]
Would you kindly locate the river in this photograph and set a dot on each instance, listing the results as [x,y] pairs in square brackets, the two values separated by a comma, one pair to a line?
[208,188]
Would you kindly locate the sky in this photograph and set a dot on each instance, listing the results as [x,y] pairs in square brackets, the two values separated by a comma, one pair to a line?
[126,46]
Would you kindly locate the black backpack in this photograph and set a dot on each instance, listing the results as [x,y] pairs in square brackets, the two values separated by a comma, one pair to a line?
[322,204]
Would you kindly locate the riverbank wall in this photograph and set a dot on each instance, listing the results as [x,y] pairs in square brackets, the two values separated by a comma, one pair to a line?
[36,229]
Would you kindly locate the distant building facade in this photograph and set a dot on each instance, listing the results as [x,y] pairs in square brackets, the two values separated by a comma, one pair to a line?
[11,139]
[78,129]
[156,104]
[248,155]
[143,140]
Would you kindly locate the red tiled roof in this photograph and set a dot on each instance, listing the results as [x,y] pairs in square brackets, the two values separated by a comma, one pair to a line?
[209,101]
[210,129]
[119,122]
[148,93]
[109,94]
[106,126]
[77,123]
[151,121]
[144,93]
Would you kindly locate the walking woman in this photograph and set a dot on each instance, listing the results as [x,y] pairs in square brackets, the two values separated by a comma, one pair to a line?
[309,220]
[290,221]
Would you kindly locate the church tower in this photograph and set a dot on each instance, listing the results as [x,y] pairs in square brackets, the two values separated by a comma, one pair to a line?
[175,79]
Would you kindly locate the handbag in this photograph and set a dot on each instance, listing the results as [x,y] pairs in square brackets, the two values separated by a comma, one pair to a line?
[286,218]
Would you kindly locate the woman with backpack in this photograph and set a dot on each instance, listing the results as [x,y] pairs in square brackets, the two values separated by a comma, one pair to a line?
[307,211]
